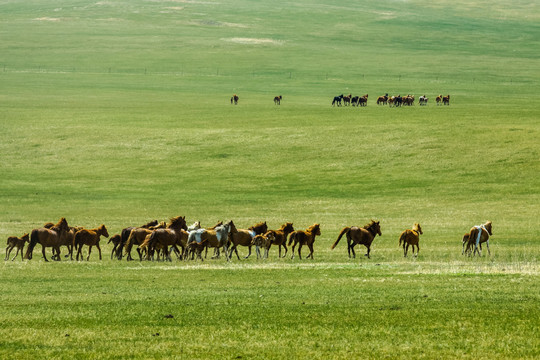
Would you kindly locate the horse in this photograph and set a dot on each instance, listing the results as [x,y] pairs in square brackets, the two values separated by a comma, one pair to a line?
[362,100]
[422,101]
[196,248]
[175,234]
[382,100]
[280,236]
[391,101]
[263,241]
[13,242]
[337,100]
[47,237]
[363,236]
[446,100]
[244,237]
[347,99]
[438,99]
[125,235]
[306,237]
[89,237]
[234,99]
[398,100]
[478,235]
[195,226]
[408,100]
[354,100]
[277,100]
[411,237]
[116,240]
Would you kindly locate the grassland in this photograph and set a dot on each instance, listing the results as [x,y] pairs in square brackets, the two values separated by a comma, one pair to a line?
[117,113]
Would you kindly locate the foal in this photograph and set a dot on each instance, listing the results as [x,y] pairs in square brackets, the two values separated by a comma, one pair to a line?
[411,237]
[14,241]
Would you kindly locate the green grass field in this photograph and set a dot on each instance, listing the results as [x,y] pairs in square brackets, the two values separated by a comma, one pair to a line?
[117,112]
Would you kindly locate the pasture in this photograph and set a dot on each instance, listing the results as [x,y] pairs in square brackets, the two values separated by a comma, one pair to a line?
[119,112]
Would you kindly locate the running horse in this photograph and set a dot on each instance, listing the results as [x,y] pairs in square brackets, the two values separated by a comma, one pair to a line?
[363,236]
[478,235]
[337,100]
[307,237]
[245,237]
[234,99]
[47,237]
[89,237]
[277,100]
[412,238]
[280,236]
[19,243]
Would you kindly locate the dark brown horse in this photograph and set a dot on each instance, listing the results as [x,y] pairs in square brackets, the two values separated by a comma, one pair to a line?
[116,240]
[280,236]
[89,237]
[234,99]
[438,99]
[277,100]
[446,100]
[47,237]
[363,236]
[347,99]
[382,100]
[125,235]
[244,237]
[15,242]
[411,237]
[362,100]
[302,238]
[174,235]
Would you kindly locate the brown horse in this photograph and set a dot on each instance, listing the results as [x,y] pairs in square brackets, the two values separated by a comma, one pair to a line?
[89,237]
[363,236]
[175,234]
[438,99]
[446,100]
[306,237]
[125,236]
[263,241]
[382,100]
[280,236]
[347,99]
[244,237]
[411,237]
[234,99]
[47,238]
[13,242]
[277,100]
[478,235]
[116,240]
[362,100]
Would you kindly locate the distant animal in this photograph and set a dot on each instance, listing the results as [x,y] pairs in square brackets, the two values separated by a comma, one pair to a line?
[301,238]
[196,248]
[174,235]
[277,100]
[478,235]
[125,235]
[47,237]
[408,100]
[362,100]
[422,100]
[234,99]
[438,99]
[280,236]
[412,238]
[337,100]
[117,241]
[347,99]
[354,100]
[398,101]
[216,237]
[244,237]
[89,237]
[13,242]
[382,100]
[446,100]
[356,235]
[263,241]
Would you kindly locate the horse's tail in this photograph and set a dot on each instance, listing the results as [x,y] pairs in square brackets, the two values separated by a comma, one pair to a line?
[333,101]
[34,237]
[402,238]
[344,231]
[292,237]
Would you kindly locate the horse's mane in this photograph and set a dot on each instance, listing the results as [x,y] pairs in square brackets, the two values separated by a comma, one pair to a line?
[371,223]
[151,223]
[178,221]
[312,227]
[260,225]
[62,224]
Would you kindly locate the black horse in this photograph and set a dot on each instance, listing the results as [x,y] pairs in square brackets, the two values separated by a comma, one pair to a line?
[337,100]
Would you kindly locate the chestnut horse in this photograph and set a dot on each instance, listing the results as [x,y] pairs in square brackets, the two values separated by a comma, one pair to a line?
[89,237]
[382,100]
[438,99]
[277,100]
[280,236]
[478,235]
[363,236]
[125,236]
[244,237]
[264,242]
[13,242]
[306,237]
[47,238]
[411,237]
[446,100]
[347,99]
[175,234]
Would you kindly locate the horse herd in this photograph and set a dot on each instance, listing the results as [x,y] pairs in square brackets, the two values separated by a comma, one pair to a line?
[392,101]
[156,240]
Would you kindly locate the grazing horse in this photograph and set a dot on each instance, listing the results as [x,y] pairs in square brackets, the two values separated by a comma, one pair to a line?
[47,237]
[478,235]
[411,237]
[382,100]
[263,241]
[306,237]
[347,99]
[175,234]
[244,237]
[234,99]
[363,236]
[277,100]
[337,100]
[446,100]
[422,101]
[438,99]
[280,236]
[13,242]
[89,237]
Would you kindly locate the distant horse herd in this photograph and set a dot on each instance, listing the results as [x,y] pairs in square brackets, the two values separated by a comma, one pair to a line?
[392,101]
[158,240]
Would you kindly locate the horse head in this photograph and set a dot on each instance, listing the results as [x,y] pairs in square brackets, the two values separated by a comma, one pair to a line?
[288,227]
[417,228]
[315,229]
[488,225]
[376,226]
[178,222]
[103,231]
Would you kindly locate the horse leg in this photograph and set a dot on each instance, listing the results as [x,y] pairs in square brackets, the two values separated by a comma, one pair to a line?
[300,251]
[89,251]
[407,249]
[292,257]
[368,251]
[8,251]
[417,249]
[249,252]
[285,247]
[352,250]
[43,252]
[487,245]
[99,249]
[311,251]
